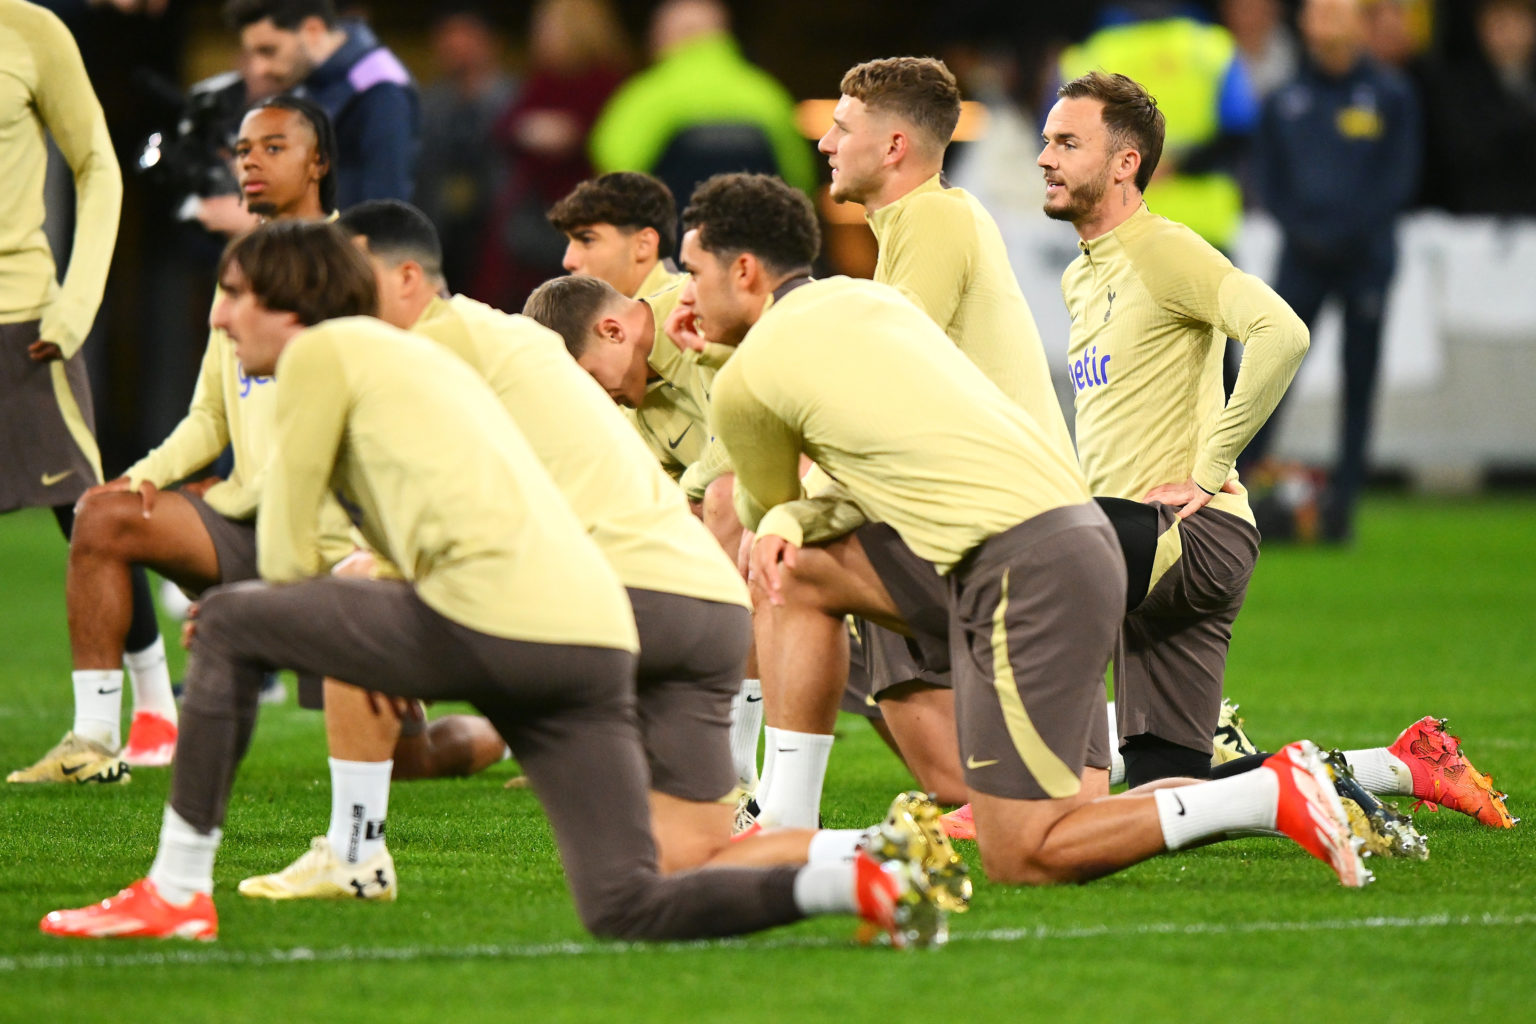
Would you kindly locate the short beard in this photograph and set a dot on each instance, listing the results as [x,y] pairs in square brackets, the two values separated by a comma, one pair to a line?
[1082,200]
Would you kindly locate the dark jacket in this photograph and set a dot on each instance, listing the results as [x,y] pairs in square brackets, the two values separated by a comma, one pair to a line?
[1480,135]
[1337,158]
[375,108]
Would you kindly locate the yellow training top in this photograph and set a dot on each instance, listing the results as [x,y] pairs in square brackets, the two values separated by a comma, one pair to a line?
[856,377]
[940,248]
[438,480]
[673,418]
[1151,305]
[618,492]
[43,85]
[228,407]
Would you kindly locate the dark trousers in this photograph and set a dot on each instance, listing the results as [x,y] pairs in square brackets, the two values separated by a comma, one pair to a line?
[1359,277]
[568,711]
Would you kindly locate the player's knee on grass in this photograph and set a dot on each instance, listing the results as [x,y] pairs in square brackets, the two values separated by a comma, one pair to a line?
[453,746]
[688,833]
[1014,838]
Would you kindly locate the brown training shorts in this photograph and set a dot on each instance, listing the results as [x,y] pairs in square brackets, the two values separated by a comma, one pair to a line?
[1035,612]
[922,597]
[1172,654]
[692,656]
[44,464]
[234,541]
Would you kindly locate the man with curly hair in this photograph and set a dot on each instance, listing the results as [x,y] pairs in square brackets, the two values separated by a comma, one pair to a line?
[621,228]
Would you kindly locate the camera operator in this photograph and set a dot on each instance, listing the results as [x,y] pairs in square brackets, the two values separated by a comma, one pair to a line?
[193,158]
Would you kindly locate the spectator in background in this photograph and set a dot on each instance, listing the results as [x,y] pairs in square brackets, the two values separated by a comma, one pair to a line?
[460,169]
[1397,31]
[1480,117]
[302,46]
[1193,69]
[1337,159]
[577,56]
[701,109]
[1264,41]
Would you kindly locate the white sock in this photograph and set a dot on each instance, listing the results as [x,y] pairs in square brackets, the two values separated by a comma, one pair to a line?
[99,706]
[1116,762]
[826,889]
[184,862]
[359,805]
[798,772]
[151,679]
[746,723]
[1191,813]
[1378,770]
[770,756]
[834,845]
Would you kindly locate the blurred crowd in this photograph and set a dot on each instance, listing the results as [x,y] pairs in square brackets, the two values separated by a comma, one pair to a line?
[1333,115]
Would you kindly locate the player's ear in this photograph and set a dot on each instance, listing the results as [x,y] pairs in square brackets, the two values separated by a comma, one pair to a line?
[745,270]
[644,244]
[1128,165]
[610,329]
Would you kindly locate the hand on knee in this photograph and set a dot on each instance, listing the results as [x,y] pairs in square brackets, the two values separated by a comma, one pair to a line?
[100,521]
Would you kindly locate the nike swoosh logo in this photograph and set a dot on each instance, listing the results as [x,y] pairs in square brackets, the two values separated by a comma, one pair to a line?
[972,763]
[789,750]
[673,444]
[1176,800]
[71,771]
[754,700]
[49,479]
[115,689]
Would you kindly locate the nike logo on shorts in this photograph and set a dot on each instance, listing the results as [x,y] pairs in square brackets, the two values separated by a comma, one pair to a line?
[673,444]
[973,764]
[49,479]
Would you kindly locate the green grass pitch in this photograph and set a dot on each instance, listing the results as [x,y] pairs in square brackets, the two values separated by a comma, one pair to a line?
[1430,612]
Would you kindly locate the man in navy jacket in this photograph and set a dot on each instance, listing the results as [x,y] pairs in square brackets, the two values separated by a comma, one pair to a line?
[1337,160]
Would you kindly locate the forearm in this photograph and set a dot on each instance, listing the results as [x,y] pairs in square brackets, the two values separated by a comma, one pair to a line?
[1274,341]
[711,466]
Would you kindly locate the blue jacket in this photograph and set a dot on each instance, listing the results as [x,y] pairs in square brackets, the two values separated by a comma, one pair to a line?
[1337,158]
[375,108]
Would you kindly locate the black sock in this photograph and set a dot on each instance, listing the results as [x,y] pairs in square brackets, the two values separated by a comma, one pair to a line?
[1149,758]
[143,630]
[1239,765]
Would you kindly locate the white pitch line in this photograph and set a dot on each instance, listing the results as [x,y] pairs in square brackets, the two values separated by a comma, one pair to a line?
[199,955]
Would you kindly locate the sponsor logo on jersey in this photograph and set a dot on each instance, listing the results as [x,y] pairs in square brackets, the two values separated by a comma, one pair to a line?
[247,382]
[1090,371]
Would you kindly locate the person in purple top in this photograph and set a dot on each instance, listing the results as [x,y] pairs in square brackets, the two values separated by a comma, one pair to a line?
[303,47]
